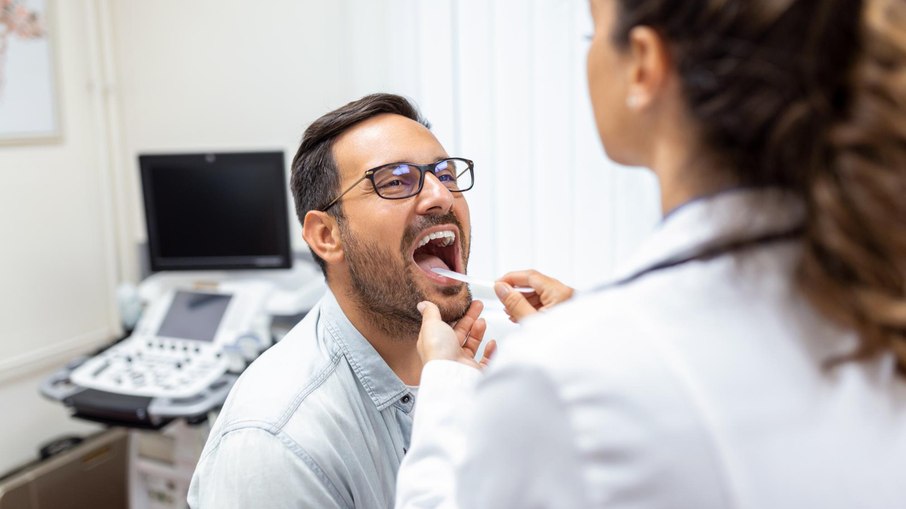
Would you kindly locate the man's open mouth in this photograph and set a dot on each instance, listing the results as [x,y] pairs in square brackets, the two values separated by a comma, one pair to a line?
[437,248]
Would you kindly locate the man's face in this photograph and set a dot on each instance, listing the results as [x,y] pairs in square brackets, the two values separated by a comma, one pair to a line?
[383,240]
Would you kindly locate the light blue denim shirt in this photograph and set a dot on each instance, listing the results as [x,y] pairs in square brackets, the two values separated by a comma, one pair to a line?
[319,420]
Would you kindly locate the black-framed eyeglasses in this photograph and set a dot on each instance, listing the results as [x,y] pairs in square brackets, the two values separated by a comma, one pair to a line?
[396,181]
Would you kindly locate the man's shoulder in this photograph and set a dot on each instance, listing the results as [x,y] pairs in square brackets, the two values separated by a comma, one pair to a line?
[286,380]
[254,467]
[290,414]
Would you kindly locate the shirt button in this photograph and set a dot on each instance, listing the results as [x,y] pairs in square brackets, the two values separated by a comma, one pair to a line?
[406,399]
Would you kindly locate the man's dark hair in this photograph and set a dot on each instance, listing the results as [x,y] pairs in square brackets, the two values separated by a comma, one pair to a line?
[315,179]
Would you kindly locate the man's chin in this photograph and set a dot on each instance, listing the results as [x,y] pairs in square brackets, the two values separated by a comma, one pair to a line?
[452,302]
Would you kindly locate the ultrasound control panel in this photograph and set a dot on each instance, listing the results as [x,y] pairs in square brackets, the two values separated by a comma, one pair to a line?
[178,347]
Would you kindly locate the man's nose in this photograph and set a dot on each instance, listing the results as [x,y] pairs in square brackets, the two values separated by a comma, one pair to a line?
[435,198]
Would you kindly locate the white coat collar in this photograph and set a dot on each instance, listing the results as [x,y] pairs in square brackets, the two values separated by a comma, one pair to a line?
[728,215]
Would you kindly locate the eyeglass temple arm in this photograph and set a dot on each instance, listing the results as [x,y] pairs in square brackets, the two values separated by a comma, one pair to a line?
[350,188]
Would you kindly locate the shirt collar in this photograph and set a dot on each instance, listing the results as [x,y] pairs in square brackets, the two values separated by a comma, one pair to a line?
[729,215]
[379,381]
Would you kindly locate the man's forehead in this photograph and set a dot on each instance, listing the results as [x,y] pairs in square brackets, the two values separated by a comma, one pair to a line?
[386,138]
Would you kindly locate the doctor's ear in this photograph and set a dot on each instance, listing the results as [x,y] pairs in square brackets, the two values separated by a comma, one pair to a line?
[322,234]
[649,67]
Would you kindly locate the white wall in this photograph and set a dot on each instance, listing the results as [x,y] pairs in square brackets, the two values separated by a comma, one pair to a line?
[56,264]
[137,76]
[222,75]
[502,81]
[30,421]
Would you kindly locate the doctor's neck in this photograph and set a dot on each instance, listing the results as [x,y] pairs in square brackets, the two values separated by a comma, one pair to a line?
[685,169]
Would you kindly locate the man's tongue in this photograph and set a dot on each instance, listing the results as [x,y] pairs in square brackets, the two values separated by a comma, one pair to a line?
[429,261]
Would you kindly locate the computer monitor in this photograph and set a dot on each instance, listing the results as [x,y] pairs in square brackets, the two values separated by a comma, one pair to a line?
[216,211]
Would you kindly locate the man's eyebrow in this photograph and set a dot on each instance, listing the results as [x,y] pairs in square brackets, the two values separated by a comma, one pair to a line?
[436,160]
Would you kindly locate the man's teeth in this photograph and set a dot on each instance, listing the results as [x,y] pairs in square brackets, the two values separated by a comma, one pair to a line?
[447,236]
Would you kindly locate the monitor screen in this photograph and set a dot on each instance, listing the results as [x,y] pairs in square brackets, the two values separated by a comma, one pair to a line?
[194,315]
[216,211]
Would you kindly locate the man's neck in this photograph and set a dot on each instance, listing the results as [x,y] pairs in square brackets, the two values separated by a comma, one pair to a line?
[398,351]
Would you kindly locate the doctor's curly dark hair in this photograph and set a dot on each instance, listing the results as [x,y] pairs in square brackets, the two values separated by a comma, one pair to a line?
[809,95]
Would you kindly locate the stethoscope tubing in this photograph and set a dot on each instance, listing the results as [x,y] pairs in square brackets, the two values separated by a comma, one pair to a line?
[708,253]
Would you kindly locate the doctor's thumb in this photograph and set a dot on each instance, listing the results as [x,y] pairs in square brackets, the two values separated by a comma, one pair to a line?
[515,304]
[428,310]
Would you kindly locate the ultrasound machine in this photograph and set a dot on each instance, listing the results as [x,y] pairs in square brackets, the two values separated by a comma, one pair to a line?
[221,270]
[219,252]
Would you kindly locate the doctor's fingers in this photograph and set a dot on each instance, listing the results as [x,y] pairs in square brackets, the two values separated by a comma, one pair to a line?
[551,291]
[468,320]
[529,277]
[428,310]
[555,294]
[488,353]
[514,303]
[436,339]
[475,336]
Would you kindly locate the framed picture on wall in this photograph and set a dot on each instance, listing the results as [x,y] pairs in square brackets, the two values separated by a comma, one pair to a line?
[29,110]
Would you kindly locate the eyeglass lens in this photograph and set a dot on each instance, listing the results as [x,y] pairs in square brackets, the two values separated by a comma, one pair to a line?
[401,180]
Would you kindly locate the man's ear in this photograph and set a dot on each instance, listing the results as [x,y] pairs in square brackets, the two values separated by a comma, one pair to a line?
[322,233]
[650,65]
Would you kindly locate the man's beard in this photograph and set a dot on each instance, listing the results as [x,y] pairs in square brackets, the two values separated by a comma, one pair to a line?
[383,283]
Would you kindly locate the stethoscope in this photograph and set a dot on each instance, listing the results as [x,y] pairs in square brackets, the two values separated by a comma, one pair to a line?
[709,253]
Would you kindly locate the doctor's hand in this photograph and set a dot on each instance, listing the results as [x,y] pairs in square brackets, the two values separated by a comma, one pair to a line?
[438,341]
[548,293]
